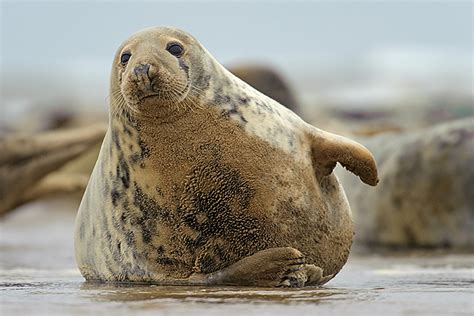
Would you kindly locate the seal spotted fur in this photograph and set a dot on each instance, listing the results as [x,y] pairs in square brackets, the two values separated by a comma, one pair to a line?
[201,179]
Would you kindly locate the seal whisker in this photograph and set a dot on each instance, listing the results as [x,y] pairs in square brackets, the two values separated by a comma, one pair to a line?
[198,94]
[193,104]
[122,107]
[172,98]
[197,89]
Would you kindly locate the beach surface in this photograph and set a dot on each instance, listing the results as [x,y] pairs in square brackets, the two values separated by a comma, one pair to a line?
[38,276]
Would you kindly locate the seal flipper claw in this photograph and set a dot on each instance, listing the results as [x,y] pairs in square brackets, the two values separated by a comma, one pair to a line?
[295,278]
[328,149]
[315,276]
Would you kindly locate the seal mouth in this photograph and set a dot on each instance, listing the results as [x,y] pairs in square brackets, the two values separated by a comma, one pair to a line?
[179,95]
[151,95]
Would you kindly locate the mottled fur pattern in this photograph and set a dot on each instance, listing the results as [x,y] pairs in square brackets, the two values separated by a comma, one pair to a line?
[193,186]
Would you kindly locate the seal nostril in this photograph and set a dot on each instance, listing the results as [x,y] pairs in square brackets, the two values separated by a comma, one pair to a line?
[142,69]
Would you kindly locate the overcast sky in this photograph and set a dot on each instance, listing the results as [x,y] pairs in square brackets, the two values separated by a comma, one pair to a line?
[41,32]
[73,43]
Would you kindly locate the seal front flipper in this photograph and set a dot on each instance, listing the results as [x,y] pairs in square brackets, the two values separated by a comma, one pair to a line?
[268,268]
[328,149]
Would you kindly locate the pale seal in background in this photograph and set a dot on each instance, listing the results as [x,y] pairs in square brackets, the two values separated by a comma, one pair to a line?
[27,159]
[201,179]
[425,198]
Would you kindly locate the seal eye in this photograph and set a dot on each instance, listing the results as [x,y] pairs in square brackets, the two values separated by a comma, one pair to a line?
[124,58]
[175,49]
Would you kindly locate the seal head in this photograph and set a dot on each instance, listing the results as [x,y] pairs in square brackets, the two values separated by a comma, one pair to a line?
[151,75]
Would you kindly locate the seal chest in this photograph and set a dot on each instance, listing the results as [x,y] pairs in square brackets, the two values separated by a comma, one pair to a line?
[203,180]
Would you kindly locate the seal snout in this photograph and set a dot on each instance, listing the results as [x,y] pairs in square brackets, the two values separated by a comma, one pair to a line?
[142,69]
[146,75]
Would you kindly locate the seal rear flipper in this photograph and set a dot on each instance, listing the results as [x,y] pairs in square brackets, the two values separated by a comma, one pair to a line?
[282,267]
[328,149]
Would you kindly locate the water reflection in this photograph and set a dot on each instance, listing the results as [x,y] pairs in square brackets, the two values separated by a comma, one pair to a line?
[214,295]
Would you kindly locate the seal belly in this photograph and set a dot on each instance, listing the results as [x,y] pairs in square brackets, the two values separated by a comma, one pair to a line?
[235,211]
[205,210]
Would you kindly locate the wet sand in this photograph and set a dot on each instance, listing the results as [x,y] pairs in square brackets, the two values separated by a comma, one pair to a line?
[38,276]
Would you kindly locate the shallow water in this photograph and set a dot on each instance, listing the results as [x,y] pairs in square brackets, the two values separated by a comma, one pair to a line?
[38,276]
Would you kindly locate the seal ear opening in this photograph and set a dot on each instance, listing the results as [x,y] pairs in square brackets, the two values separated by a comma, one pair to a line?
[328,149]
